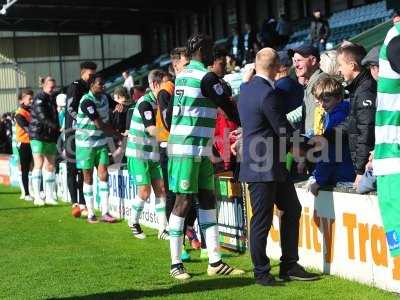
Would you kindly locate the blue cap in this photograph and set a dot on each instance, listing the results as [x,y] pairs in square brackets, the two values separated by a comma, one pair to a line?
[285,59]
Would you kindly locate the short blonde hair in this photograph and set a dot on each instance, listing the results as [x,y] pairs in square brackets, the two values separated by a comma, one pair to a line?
[328,86]
[328,62]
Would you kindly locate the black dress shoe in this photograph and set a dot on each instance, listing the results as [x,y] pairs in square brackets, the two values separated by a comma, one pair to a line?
[268,280]
[297,272]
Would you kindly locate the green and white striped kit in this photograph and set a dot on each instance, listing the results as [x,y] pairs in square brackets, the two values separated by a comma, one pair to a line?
[387,122]
[141,144]
[87,134]
[194,116]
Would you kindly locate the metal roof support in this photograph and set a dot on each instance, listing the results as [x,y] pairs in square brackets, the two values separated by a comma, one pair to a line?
[9,3]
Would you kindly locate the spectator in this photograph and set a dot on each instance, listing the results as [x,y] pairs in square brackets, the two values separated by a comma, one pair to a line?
[269,36]
[179,59]
[137,92]
[319,31]
[249,39]
[329,93]
[128,83]
[235,45]
[306,62]
[230,64]
[292,90]
[371,62]
[119,117]
[387,141]
[5,136]
[396,16]
[284,30]
[362,89]
[328,63]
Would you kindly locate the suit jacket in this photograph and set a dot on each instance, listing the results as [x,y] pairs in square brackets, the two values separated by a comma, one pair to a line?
[262,117]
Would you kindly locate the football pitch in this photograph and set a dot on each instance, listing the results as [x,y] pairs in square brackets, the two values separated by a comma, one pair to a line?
[45,253]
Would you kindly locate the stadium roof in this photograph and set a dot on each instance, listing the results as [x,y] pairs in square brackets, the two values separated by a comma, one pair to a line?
[93,16]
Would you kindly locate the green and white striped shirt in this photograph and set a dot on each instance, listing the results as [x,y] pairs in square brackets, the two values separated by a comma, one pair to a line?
[194,116]
[387,122]
[87,134]
[141,144]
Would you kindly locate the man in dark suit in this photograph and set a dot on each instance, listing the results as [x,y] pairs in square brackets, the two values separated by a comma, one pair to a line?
[265,127]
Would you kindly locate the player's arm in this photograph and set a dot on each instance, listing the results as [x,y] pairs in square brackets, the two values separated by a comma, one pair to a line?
[165,106]
[148,117]
[89,109]
[220,93]
[22,122]
[73,100]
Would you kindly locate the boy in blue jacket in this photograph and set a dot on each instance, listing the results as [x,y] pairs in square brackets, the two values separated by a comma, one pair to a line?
[335,164]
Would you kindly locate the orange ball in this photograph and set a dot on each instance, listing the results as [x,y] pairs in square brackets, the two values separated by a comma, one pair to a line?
[76,211]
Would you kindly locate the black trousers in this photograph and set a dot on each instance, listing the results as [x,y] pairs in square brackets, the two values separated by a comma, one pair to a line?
[74,175]
[263,196]
[26,159]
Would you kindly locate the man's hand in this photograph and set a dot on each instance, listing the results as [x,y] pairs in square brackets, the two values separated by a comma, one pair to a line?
[119,108]
[234,148]
[314,189]
[357,181]
[249,73]
[369,166]
[234,137]
[301,168]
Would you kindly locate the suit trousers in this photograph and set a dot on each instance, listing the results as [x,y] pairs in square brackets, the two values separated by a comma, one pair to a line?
[263,196]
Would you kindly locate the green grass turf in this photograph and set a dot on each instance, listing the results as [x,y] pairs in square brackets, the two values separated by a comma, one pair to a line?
[47,254]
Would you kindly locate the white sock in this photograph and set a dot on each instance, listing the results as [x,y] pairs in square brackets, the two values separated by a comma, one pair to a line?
[36,181]
[162,217]
[208,224]
[21,184]
[49,186]
[104,193]
[176,238]
[137,208]
[89,199]
[30,183]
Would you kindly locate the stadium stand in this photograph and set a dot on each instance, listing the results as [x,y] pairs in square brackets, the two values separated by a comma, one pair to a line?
[366,25]
[348,23]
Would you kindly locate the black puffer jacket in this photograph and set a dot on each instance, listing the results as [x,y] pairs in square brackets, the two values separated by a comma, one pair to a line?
[44,126]
[360,124]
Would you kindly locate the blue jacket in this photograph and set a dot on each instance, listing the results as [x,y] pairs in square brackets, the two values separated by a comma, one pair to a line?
[262,118]
[331,172]
[293,93]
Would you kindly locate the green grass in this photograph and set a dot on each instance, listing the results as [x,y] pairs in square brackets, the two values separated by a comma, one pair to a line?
[47,254]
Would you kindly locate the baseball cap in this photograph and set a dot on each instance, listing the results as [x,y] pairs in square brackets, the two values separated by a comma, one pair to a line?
[304,50]
[372,57]
[284,58]
[61,99]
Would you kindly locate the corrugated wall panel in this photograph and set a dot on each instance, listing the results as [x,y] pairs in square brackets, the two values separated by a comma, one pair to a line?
[8,101]
[90,46]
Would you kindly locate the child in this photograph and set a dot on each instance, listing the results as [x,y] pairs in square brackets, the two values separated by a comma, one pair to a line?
[331,169]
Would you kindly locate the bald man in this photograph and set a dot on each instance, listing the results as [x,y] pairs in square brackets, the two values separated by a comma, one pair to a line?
[263,169]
